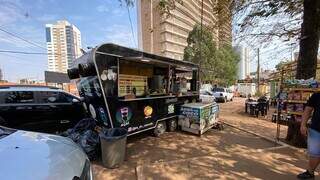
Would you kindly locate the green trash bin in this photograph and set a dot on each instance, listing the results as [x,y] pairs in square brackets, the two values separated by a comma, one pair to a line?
[113,146]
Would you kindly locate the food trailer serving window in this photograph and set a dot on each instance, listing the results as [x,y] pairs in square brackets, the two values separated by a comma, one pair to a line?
[183,80]
[142,78]
[139,78]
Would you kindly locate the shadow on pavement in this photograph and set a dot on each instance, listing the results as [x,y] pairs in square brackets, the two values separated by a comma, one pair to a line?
[228,154]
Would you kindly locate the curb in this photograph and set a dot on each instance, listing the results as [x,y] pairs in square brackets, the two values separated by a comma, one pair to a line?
[265,137]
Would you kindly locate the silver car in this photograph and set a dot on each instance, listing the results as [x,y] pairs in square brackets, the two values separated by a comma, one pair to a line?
[37,156]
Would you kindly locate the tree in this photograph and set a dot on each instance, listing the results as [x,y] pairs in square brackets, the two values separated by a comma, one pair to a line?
[281,64]
[219,64]
[282,19]
[165,6]
[287,16]
[309,40]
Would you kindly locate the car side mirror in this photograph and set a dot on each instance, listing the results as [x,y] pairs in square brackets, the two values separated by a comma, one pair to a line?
[74,100]
[82,99]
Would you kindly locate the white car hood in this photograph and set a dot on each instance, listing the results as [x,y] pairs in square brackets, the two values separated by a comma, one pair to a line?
[29,155]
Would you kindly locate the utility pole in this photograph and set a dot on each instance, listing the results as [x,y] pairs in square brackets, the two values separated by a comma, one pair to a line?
[201,37]
[258,70]
[201,24]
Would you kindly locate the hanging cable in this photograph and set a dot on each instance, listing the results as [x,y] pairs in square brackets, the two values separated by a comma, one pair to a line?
[132,32]
[22,52]
[23,39]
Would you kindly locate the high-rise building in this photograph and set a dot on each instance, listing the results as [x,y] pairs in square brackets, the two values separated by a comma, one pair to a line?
[63,45]
[167,35]
[1,75]
[244,63]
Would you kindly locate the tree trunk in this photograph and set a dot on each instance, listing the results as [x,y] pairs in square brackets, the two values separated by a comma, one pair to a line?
[309,40]
[307,61]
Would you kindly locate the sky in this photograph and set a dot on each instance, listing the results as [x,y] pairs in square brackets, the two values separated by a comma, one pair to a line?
[98,20]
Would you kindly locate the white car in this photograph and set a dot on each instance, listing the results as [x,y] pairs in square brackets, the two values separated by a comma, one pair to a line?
[36,156]
[222,94]
[207,96]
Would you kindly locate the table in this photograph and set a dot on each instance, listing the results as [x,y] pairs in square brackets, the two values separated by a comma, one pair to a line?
[250,104]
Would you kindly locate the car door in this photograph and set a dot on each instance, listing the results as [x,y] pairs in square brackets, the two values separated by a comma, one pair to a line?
[71,110]
[48,110]
[20,110]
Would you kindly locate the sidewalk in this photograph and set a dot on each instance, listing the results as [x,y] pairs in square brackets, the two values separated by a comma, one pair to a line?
[228,154]
[233,113]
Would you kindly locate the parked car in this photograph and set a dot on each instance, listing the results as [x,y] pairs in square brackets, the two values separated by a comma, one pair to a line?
[39,108]
[222,94]
[207,96]
[36,156]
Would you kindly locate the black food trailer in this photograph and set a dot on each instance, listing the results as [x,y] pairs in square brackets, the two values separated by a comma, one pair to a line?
[124,87]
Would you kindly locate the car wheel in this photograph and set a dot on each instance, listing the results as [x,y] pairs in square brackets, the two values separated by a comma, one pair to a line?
[3,122]
[172,125]
[160,128]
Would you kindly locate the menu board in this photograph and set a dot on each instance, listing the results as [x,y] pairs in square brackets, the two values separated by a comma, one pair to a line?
[128,82]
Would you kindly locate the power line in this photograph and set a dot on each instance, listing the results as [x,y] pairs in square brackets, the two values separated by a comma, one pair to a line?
[19,60]
[29,53]
[23,39]
[132,32]
[22,52]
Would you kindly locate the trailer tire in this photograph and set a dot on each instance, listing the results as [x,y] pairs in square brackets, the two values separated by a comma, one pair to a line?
[160,128]
[172,125]
[225,100]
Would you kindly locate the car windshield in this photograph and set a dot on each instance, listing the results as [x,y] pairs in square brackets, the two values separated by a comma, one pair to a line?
[4,132]
[218,90]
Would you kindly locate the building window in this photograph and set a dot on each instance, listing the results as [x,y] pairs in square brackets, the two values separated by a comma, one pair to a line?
[48,34]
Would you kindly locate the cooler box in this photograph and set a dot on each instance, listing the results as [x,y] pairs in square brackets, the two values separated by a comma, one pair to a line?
[197,118]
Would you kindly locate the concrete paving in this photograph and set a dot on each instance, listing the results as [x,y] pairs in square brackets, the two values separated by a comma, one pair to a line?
[233,113]
[228,154]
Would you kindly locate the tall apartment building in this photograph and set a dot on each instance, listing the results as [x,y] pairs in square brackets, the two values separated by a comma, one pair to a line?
[167,36]
[244,63]
[63,45]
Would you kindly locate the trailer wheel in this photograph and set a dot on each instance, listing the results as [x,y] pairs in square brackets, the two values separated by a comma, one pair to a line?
[172,125]
[160,128]
[225,100]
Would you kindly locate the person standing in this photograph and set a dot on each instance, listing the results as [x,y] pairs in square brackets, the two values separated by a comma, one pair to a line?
[313,133]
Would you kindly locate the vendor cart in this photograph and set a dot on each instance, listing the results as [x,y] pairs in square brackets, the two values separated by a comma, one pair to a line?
[197,118]
[139,91]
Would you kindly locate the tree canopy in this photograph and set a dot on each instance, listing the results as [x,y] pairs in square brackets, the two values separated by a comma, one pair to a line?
[265,19]
[165,6]
[287,20]
[216,64]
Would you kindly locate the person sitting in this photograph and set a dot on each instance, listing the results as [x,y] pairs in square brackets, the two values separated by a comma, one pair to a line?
[249,99]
